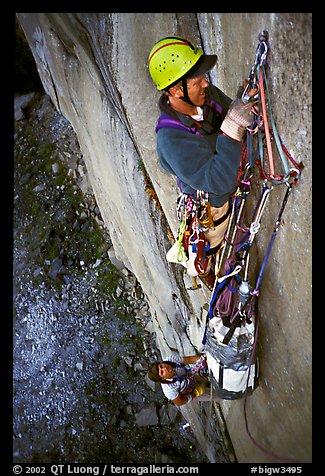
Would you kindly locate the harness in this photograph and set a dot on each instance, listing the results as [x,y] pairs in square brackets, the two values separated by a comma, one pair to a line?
[194,211]
[166,120]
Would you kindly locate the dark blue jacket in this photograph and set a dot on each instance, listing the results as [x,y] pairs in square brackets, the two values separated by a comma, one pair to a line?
[208,163]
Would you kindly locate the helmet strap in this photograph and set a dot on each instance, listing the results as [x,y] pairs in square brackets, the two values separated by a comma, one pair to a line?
[186,98]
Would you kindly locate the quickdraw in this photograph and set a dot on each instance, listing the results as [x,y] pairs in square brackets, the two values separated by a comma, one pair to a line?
[195,218]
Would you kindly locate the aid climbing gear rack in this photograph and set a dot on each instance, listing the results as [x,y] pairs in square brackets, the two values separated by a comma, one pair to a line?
[232,324]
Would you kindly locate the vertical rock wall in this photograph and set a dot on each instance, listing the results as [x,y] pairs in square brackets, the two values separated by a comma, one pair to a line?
[93,65]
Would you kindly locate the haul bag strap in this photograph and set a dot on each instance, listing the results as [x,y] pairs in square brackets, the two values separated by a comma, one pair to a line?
[221,366]
[234,324]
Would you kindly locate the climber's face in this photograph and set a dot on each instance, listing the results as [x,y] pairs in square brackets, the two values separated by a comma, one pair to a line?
[165,371]
[196,90]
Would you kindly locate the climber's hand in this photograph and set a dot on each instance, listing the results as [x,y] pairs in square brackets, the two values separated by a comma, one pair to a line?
[238,118]
[244,92]
[250,96]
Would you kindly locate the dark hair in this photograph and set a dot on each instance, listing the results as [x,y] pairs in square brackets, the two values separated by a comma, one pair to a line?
[167,88]
[153,372]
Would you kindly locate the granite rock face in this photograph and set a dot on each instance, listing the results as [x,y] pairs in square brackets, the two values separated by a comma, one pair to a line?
[93,66]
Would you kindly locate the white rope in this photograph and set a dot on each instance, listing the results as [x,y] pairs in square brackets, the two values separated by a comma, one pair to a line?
[235,271]
[255,225]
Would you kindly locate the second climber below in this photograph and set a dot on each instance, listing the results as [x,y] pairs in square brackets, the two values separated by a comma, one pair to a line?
[183,379]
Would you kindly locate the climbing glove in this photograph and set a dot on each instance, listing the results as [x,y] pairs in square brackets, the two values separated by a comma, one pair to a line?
[199,390]
[239,116]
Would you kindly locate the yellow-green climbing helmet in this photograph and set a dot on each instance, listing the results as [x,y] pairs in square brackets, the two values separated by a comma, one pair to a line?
[170,59]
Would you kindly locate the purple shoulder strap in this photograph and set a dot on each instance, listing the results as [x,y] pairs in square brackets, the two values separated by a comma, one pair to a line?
[168,121]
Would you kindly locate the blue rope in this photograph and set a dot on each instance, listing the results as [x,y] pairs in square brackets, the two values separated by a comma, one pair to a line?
[270,244]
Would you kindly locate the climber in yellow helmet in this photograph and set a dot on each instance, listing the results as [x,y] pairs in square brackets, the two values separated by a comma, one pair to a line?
[200,129]
[183,379]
